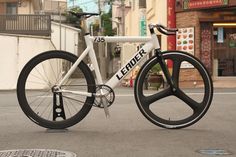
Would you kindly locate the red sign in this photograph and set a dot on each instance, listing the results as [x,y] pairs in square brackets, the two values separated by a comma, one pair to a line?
[197,4]
[171,18]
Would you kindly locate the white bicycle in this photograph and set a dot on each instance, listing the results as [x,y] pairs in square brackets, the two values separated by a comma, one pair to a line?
[56,89]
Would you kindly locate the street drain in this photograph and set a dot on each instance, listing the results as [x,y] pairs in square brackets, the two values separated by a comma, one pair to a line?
[36,153]
[214,152]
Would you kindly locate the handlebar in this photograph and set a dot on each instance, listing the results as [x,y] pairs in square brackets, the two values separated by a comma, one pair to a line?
[166,30]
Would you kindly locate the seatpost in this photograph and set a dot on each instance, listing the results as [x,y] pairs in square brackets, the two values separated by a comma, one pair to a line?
[84,25]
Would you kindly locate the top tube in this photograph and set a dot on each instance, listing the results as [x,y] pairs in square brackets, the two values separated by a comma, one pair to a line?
[111,39]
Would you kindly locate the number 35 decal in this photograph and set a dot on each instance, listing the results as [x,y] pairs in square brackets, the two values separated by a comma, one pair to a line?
[99,39]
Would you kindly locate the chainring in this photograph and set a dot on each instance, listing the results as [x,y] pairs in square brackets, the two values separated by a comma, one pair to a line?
[106,93]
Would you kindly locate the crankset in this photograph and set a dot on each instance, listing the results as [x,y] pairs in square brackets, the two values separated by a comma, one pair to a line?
[105,97]
[104,92]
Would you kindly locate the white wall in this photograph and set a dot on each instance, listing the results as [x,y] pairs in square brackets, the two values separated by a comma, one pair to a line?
[69,37]
[16,51]
[8,62]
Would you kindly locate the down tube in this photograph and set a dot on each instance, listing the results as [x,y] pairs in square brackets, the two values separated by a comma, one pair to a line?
[129,66]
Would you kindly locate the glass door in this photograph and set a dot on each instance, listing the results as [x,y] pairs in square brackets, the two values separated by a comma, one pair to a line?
[224,50]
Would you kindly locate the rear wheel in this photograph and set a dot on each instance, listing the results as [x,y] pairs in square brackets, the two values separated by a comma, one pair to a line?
[37,95]
[174,109]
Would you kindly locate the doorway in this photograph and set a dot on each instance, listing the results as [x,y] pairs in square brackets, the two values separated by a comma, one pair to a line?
[224,49]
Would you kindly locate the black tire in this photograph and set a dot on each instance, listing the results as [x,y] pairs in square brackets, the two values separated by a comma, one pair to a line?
[36,97]
[182,108]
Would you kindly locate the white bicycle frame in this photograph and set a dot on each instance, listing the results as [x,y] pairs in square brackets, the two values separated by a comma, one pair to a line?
[151,43]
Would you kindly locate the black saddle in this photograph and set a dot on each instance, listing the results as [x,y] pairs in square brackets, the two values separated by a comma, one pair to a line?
[83,14]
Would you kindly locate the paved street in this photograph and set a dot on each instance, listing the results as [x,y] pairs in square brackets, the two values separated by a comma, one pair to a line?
[125,133]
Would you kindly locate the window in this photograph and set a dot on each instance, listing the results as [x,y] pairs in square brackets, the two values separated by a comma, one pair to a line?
[11,8]
[134,4]
[142,3]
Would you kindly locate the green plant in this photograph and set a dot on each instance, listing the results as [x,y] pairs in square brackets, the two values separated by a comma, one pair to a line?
[107,23]
[71,19]
[155,79]
[156,69]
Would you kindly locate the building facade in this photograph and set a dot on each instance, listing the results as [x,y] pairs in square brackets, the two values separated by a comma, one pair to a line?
[18,6]
[32,6]
[214,26]
[137,15]
[141,13]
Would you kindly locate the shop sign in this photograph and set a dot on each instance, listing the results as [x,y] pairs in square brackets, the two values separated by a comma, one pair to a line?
[142,23]
[198,4]
[220,35]
[143,30]
[185,41]
[232,40]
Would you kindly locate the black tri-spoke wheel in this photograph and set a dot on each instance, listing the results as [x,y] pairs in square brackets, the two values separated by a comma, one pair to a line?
[41,99]
[178,108]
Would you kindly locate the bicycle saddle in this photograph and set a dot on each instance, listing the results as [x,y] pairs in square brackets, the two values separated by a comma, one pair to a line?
[83,14]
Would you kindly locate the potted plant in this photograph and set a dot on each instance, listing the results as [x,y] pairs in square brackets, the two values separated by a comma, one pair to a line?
[155,78]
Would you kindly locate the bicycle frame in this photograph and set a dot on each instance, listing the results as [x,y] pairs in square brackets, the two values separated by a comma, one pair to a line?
[150,44]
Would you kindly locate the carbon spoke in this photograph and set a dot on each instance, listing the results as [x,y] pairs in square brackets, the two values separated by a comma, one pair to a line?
[162,94]
[189,101]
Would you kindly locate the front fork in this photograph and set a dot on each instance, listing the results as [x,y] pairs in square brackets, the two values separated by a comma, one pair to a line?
[165,70]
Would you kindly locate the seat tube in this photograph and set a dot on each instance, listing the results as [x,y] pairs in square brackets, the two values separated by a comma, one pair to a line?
[93,58]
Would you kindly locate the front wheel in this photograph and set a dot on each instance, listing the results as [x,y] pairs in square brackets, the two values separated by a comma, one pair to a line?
[174,109]
[37,95]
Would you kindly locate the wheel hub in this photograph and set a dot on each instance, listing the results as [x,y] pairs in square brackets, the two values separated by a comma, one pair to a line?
[55,89]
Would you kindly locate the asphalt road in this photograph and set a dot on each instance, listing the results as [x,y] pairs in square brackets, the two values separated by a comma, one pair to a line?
[126,133]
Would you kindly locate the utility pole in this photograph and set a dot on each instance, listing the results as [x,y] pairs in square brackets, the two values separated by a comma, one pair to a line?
[100,17]
[102,60]
[123,17]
